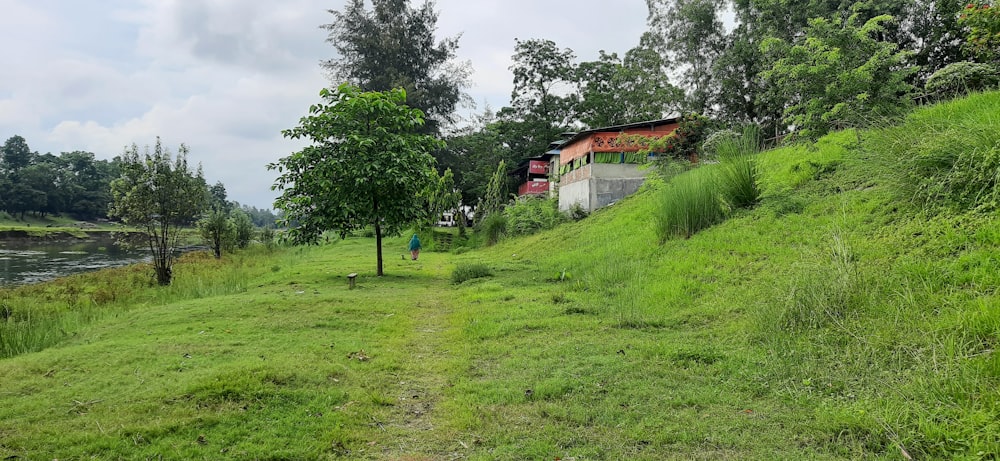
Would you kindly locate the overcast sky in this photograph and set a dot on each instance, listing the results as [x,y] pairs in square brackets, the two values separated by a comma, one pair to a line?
[226,76]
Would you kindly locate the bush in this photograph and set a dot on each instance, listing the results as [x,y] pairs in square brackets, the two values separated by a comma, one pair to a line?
[577,212]
[961,78]
[531,214]
[469,271]
[267,237]
[242,228]
[493,227]
[710,147]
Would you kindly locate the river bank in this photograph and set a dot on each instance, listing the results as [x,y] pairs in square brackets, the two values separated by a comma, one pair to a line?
[54,234]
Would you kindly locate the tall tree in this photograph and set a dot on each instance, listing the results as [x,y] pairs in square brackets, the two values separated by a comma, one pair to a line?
[393,46]
[690,34]
[472,154]
[18,196]
[542,102]
[42,190]
[14,156]
[616,91]
[217,198]
[935,36]
[740,89]
[159,195]
[87,184]
[366,166]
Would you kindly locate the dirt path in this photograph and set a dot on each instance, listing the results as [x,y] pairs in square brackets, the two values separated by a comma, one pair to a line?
[425,378]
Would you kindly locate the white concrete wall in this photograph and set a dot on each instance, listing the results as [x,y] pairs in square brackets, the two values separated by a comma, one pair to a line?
[574,193]
[607,191]
[598,185]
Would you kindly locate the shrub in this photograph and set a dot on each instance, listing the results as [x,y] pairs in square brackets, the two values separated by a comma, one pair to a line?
[710,147]
[267,237]
[577,212]
[242,228]
[961,78]
[531,214]
[684,142]
[469,271]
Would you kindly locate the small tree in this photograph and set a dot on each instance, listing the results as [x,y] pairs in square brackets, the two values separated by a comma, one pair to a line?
[243,228]
[841,75]
[366,166]
[217,229]
[442,196]
[158,195]
[496,193]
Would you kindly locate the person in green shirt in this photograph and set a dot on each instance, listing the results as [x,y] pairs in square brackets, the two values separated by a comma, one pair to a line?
[414,247]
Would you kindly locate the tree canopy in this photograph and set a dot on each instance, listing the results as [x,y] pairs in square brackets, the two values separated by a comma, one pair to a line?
[392,46]
[841,75]
[366,165]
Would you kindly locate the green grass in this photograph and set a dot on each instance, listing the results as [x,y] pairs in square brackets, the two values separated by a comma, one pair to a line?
[837,319]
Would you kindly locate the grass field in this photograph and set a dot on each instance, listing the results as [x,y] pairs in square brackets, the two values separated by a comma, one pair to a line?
[852,314]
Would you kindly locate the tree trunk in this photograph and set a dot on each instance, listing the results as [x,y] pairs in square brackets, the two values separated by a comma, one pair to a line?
[378,247]
[163,275]
[378,237]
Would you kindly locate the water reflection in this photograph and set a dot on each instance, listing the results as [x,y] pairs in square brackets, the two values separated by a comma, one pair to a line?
[26,261]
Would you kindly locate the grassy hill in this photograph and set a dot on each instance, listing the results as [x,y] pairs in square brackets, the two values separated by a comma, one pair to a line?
[852,314]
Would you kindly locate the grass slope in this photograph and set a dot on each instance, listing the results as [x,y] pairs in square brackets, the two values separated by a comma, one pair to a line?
[839,319]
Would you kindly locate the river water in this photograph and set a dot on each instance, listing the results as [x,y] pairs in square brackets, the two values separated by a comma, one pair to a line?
[26,261]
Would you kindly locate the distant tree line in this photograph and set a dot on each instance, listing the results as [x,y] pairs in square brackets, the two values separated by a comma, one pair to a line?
[72,183]
[76,184]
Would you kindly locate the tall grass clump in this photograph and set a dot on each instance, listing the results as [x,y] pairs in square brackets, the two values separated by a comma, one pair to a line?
[827,290]
[829,294]
[493,227]
[738,175]
[688,204]
[469,271]
[38,316]
[944,156]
